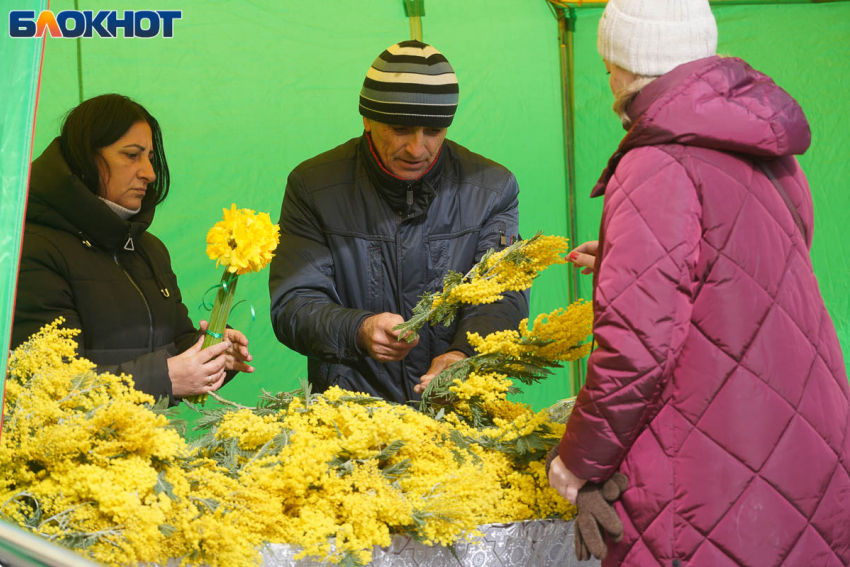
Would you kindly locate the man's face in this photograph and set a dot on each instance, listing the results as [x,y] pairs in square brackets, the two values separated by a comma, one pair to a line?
[406,151]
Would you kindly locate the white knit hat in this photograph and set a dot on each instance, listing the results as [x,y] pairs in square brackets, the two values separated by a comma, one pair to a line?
[651,37]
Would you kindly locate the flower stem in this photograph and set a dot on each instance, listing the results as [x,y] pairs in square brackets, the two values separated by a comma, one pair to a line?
[218,319]
[221,400]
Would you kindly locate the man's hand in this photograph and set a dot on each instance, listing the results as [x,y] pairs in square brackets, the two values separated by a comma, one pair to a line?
[238,354]
[564,481]
[585,256]
[377,337]
[439,364]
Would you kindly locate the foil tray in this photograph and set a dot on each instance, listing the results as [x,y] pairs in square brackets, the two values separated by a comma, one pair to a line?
[536,543]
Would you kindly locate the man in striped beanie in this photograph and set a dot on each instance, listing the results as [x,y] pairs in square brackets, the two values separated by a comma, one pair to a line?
[410,83]
[409,90]
[368,227]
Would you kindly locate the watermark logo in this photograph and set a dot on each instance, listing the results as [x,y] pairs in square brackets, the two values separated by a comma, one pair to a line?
[86,23]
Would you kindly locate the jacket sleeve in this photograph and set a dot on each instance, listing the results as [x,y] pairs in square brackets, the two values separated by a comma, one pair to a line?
[643,289]
[44,294]
[306,311]
[513,308]
[149,372]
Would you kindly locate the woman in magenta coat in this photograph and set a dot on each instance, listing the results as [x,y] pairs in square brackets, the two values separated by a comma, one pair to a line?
[717,386]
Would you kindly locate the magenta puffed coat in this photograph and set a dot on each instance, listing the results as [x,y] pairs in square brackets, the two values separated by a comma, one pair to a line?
[718,385]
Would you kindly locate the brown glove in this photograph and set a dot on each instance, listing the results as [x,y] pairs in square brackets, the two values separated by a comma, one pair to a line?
[580,547]
[595,513]
[596,517]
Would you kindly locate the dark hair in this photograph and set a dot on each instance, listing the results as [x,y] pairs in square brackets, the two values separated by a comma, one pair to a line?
[99,122]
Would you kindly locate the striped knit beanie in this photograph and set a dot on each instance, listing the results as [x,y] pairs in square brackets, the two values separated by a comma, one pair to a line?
[651,37]
[410,84]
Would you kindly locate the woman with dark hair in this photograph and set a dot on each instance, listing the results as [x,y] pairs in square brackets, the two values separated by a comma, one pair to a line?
[718,386]
[87,256]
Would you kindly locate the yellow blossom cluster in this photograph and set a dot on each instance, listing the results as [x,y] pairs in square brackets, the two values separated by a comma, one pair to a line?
[526,492]
[353,473]
[510,270]
[559,336]
[486,388]
[243,241]
[251,431]
[88,462]
[84,461]
[329,484]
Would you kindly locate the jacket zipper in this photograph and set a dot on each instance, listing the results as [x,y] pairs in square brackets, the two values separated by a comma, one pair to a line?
[400,293]
[409,200]
[144,299]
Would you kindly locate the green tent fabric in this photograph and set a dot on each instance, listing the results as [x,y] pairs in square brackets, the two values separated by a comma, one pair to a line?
[19,75]
[246,91]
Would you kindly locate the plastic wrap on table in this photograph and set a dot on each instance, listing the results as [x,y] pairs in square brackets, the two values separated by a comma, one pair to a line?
[538,543]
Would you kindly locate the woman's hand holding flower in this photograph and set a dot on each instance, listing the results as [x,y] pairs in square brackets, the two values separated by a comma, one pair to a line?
[237,355]
[198,370]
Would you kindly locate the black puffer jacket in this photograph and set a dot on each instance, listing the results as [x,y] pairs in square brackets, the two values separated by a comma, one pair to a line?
[351,247]
[74,264]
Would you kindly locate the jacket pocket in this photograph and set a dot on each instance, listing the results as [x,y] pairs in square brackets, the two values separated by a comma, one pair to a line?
[451,252]
[375,301]
[497,236]
[437,261]
[444,254]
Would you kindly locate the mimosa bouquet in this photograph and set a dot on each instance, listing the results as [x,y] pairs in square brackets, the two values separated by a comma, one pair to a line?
[511,269]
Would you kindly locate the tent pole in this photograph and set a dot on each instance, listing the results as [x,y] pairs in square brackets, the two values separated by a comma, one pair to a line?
[415,9]
[566,28]
[416,28]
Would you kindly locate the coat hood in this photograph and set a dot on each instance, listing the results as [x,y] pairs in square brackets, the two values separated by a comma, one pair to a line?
[58,199]
[717,103]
